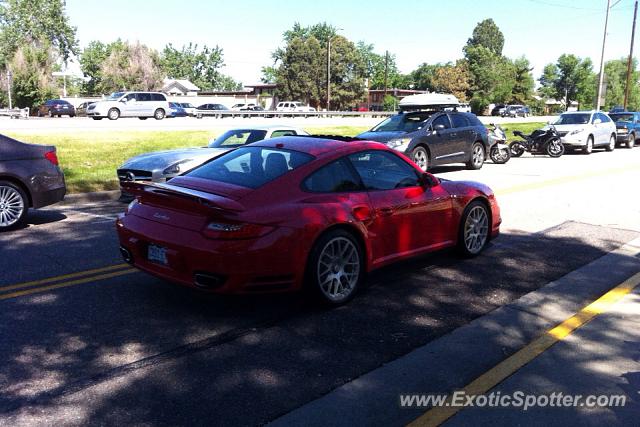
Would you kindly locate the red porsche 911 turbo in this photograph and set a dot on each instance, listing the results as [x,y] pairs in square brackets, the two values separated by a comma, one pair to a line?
[292,212]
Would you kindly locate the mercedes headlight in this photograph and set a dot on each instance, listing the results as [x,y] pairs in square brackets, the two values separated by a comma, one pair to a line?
[399,144]
[176,167]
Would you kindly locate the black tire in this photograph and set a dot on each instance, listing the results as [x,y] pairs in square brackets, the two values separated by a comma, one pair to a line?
[465,233]
[72,115]
[113,114]
[555,150]
[477,157]
[612,143]
[96,118]
[143,118]
[498,156]
[588,149]
[420,157]
[6,186]
[159,114]
[631,141]
[321,248]
[517,149]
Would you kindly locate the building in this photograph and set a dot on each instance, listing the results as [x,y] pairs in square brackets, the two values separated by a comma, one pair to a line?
[180,87]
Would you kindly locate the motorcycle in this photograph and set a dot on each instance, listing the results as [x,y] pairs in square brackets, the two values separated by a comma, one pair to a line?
[499,151]
[542,141]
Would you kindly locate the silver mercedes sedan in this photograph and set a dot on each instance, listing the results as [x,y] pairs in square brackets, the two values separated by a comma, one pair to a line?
[161,166]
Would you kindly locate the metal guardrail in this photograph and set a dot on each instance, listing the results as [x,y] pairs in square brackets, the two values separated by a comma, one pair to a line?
[15,113]
[224,113]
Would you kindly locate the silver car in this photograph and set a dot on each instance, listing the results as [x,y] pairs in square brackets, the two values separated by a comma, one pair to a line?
[161,166]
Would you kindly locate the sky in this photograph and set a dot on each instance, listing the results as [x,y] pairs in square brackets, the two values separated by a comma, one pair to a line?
[414,31]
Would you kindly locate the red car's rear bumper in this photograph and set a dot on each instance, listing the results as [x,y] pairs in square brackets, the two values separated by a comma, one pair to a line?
[271,263]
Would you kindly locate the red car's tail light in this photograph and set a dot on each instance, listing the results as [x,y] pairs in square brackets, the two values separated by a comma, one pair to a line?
[226,230]
[52,157]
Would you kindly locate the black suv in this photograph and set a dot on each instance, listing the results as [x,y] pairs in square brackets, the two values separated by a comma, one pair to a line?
[432,138]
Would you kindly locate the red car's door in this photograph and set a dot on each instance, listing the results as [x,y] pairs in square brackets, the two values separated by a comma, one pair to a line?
[408,218]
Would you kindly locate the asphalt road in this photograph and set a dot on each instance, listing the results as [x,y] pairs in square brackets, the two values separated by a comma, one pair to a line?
[113,346]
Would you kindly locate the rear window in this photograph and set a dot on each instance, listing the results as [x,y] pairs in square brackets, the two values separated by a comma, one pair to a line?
[251,167]
[621,117]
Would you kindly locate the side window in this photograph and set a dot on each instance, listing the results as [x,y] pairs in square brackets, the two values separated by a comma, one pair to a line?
[459,121]
[130,97]
[144,97]
[382,170]
[442,120]
[336,177]
[604,118]
[285,132]
[157,97]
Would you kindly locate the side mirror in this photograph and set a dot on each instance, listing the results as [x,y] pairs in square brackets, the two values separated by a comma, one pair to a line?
[438,127]
[428,181]
[597,121]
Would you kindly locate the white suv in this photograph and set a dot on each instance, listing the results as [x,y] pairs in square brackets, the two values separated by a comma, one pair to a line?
[130,104]
[294,106]
[586,130]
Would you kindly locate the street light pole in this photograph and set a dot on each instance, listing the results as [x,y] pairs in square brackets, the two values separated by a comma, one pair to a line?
[633,34]
[329,73]
[604,39]
[9,88]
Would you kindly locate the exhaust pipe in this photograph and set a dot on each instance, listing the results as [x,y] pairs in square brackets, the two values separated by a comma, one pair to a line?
[208,280]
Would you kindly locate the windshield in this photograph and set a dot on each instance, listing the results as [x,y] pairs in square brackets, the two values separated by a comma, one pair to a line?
[573,119]
[620,117]
[251,166]
[115,96]
[238,137]
[403,123]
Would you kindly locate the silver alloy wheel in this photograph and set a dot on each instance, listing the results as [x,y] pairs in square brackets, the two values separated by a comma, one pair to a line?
[476,229]
[589,147]
[420,158]
[114,114]
[478,156]
[11,206]
[338,269]
[612,143]
[631,141]
[555,148]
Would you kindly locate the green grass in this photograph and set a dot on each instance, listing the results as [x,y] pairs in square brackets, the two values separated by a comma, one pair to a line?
[89,159]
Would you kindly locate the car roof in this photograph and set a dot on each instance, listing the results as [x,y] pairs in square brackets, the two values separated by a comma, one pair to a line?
[266,127]
[317,146]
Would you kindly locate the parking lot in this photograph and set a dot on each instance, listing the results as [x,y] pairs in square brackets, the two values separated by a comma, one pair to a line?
[88,340]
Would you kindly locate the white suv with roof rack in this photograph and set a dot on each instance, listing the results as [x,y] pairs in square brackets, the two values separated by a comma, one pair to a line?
[130,104]
[585,130]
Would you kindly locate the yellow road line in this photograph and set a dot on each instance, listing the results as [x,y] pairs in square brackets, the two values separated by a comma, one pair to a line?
[563,180]
[65,284]
[507,367]
[62,277]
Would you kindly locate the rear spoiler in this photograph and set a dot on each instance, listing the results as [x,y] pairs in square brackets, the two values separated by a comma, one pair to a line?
[199,198]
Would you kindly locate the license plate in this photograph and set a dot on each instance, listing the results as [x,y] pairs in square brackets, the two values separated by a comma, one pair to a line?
[157,254]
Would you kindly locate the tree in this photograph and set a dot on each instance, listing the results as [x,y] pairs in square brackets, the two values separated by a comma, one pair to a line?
[377,65]
[131,67]
[301,72]
[452,79]
[422,77]
[488,35]
[200,66]
[32,81]
[35,23]
[570,79]
[524,84]
[615,72]
[269,74]
[91,60]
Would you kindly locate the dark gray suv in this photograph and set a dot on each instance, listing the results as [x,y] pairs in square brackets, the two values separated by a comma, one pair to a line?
[432,138]
[29,177]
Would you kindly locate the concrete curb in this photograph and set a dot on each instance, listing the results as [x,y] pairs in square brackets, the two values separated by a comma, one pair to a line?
[453,360]
[98,196]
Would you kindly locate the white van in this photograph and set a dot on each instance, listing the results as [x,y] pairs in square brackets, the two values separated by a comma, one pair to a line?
[130,104]
[293,106]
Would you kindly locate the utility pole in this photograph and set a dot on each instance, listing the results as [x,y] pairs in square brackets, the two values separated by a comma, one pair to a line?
[604,39]
[386,73]
[328,73]
[633,34]
[9,87]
